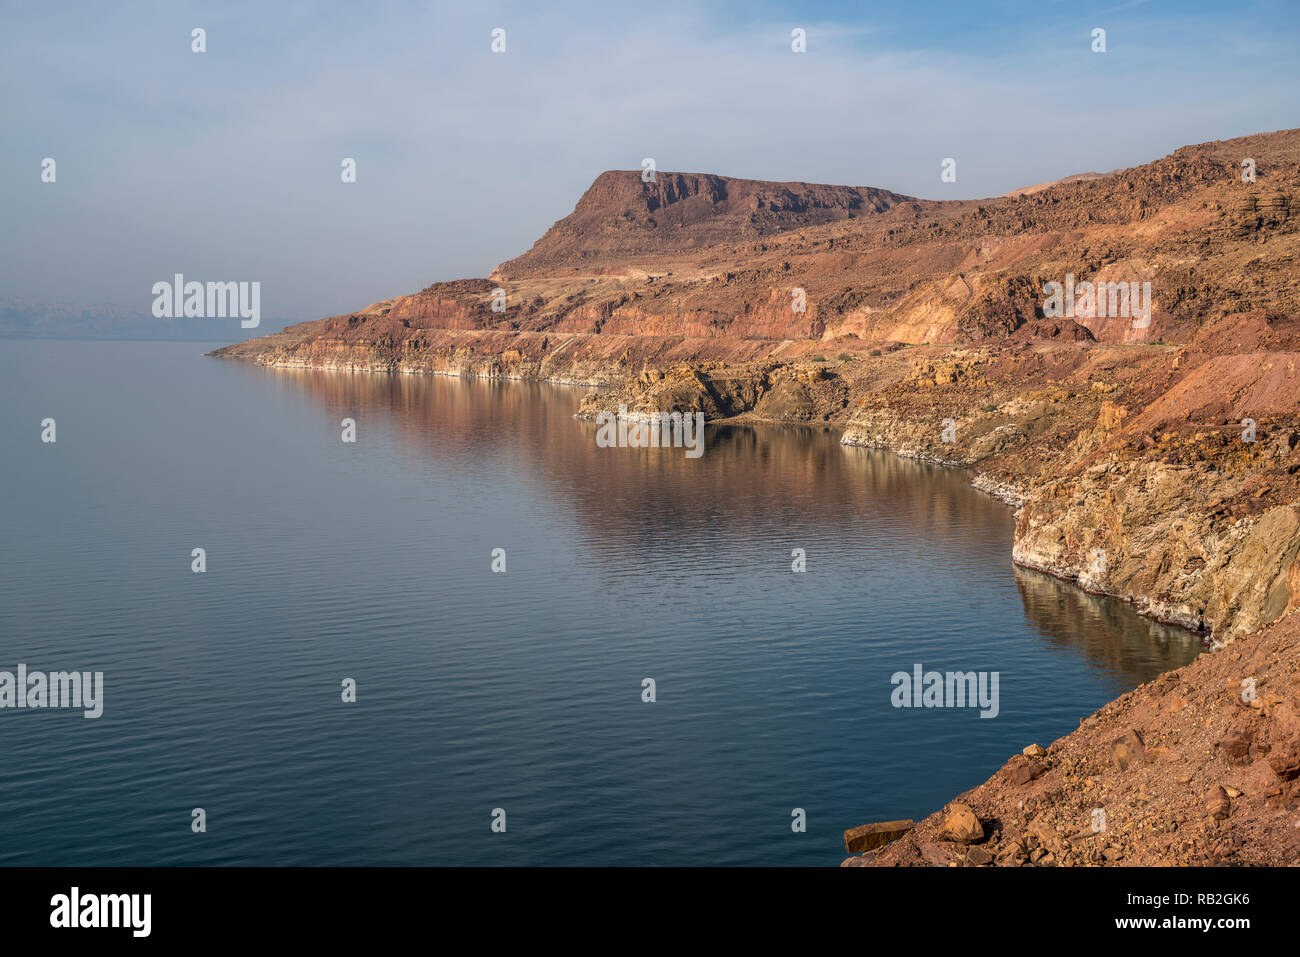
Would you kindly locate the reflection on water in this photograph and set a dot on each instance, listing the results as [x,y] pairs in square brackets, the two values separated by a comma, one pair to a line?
[478,690]
[749,475]
[1106,633]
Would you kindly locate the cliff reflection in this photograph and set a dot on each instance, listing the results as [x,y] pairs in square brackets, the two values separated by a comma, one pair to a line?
[760,475]
[1104,630]
[760,483]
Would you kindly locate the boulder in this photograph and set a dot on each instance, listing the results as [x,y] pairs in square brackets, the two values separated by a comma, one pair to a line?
[961,826]
[1127,750]
[868,837]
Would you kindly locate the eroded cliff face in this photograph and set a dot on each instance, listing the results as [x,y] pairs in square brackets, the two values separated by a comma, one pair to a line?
[1132,533]
[1184,501]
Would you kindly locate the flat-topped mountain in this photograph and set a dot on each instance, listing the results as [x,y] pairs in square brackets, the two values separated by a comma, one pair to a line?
[623,215]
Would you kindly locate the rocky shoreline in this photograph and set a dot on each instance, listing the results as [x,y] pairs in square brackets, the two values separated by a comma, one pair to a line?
[1198,768]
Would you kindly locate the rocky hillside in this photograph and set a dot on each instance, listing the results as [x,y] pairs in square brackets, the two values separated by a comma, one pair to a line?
[661,270]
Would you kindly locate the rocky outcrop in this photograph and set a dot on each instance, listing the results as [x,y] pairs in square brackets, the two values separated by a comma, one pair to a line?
[868,837]
[1136,534]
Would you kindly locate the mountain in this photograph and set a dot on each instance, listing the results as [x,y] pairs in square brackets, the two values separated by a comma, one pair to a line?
[696,266]
[621,218]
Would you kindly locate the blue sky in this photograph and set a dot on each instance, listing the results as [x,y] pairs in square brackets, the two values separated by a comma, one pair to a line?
[225,165]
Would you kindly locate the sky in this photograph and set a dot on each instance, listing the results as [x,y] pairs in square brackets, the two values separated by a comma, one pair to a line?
[225,165]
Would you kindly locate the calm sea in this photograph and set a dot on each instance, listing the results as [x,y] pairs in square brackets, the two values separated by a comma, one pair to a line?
[477,690]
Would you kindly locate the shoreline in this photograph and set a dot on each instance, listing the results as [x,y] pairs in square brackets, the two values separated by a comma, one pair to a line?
[1008,493]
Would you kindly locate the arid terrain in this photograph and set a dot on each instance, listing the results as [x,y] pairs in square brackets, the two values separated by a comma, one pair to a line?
[1153,458]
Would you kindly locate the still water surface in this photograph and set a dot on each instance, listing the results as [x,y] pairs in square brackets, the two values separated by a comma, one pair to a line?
[476,690]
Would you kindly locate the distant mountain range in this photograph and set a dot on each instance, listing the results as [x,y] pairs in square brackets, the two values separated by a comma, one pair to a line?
[25,320]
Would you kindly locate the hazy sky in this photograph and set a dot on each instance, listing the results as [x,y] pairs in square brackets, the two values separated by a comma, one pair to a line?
[225,165]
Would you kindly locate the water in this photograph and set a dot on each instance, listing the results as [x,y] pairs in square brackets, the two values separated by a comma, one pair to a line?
[476,690]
